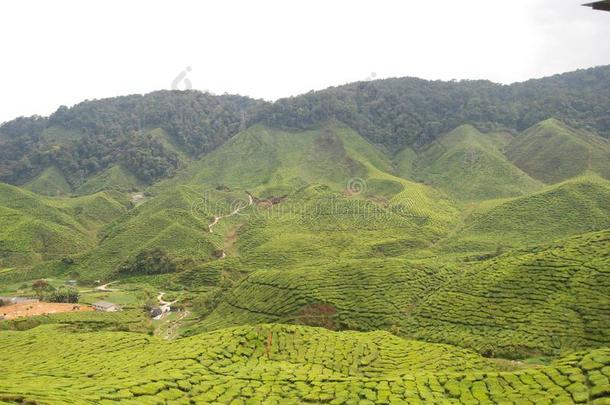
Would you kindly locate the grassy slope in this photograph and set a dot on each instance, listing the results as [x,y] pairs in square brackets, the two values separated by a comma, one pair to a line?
[302,365]
[542,300]
[175,221]
[338,258]
[470,166]
[569,208]
[273,162]
[263,159]
[50,182]
[551,151]
[35,228]
[405,161]
[360,294]
[113,178]
[270,162]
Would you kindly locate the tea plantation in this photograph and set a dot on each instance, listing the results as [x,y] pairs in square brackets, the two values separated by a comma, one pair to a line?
[311,266]
[280,364]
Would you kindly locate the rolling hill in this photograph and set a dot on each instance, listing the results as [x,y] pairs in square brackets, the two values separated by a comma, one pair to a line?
[88,138]
[36,228]
[470,165]
[575,206]
[272,160]
[551,152]
[175,222]
[114,178]
[50,182]
[543,300]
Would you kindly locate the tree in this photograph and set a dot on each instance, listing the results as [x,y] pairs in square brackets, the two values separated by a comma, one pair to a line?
[39,286]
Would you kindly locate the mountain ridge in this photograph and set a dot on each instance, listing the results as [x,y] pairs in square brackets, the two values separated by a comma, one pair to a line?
[390,113]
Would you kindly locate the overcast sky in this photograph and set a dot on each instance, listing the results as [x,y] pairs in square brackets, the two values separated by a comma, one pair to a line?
[62,52]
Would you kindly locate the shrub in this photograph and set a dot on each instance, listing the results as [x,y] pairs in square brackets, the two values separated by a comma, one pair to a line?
[70,295]
[154,261]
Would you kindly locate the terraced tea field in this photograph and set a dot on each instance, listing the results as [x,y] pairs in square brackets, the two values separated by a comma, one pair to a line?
[279,364]
[301,268]
[365,295]
[541,300]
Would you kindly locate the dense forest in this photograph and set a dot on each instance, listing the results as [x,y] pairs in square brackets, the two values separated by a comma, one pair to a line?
[100,133]
[391,113]
[410,111]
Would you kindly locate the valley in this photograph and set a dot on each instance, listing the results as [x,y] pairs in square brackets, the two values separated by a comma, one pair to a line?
[309,254]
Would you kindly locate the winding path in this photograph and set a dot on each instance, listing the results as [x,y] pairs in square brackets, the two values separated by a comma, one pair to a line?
[105,287]
[165,306]
[235,211]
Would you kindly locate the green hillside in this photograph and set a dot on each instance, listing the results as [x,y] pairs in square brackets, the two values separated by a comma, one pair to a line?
[277,364]
[49,182]
[405,160]
[114,178]
[36,228]
[551,152]
[275,161]
[356,294]
[569,208]
[469,165]
[270,162]
[176,222]
[542,300]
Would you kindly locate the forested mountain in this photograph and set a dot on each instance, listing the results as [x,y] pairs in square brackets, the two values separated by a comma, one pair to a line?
[409,111]
[93,136]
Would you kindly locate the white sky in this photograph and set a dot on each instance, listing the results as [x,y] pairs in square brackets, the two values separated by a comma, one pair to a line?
[62,52]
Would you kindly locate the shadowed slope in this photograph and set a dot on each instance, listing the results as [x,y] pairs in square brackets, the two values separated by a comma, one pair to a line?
[551,151]
[569,208]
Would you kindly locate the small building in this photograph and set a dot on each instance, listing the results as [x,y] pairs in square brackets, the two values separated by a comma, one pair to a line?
[106,306]
[156,312]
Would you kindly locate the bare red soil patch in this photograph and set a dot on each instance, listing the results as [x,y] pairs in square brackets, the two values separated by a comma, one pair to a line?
[39,308]
[318,314]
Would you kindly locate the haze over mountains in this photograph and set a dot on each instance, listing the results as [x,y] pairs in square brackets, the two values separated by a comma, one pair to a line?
[386,241]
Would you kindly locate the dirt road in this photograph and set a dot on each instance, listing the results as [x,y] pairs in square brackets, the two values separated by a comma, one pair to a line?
[234,212]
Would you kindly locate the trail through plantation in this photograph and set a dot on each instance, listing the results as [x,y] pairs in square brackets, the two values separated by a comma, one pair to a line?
[165,306]
[234,212]
[105,288]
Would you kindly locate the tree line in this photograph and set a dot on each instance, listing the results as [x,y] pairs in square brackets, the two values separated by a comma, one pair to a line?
[391,113]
